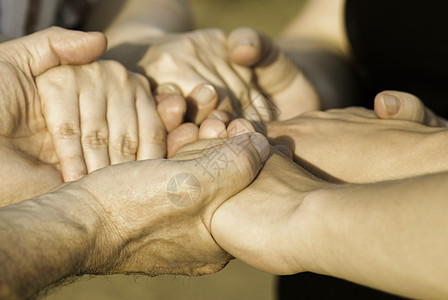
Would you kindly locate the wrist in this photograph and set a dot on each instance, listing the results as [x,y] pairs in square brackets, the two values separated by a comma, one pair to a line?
[79,211]
[310,242]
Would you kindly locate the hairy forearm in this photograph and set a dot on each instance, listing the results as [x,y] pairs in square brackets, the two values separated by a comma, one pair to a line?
[390,236]
[43,240]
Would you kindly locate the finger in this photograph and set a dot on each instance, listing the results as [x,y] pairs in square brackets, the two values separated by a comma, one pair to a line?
[171,105]
[245,47]
[285,151]
[248,102]
[200,102]
[166,89]
[184,134]
[62,119]
[48,48]
[212,129]
[254,49]
[220,115]
[197,149]
[276,74]
[151,131]
[123,126]
[404,106]
[172,111]
[94,128]
[247,153]
[239,126]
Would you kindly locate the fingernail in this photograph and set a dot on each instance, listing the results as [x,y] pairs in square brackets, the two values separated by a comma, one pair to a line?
[391,103]
[167,89]
[261,144]
[246,42]
[205,94]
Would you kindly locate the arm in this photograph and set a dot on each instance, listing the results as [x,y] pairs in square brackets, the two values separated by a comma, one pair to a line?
[28,162]
[149,217]
[389,235]
[44,240]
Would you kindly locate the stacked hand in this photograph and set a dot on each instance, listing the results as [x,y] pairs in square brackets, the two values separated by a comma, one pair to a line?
[243,68]
[29,162]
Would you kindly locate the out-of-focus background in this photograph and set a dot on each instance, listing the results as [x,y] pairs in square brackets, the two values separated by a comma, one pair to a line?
[269,16]
[237,281]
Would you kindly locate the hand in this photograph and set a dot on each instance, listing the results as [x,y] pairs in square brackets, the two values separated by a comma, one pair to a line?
[353,145]
[99,114]
[395,105]
[28,160]
[274,73]
[157,219]
[261,226]
[201,57]
[382,235]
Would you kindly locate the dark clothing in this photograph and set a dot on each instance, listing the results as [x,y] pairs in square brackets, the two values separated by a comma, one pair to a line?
[398,45]
[402,45]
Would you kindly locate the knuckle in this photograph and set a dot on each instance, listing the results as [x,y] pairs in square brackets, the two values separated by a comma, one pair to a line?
[95,139]
[67,131]
[58,76]
[156,137]
[125,145]
[142,81]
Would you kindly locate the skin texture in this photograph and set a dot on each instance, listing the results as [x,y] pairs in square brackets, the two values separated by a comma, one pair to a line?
[28,159]
[99,114]
[309,224]
[383,235]
[352,145]
[125,219]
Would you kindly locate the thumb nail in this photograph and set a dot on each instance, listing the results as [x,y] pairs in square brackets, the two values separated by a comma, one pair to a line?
[391,103]
[205,94]
[246,43]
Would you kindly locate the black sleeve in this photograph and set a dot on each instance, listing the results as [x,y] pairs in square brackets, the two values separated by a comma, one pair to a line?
[402,45]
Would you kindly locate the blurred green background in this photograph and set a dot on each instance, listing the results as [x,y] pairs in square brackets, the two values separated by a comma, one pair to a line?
[269,16]
[237,281]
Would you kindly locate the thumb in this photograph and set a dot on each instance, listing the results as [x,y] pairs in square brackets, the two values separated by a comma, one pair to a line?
[276,74]
[251,48]
[404,106]
[48,48]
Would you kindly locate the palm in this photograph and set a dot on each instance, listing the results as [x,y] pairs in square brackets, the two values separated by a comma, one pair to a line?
[29,163]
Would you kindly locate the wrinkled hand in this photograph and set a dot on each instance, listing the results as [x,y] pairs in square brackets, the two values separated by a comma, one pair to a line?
[99,114]
[201,57]
[353,145]
[157,219]
[28,161]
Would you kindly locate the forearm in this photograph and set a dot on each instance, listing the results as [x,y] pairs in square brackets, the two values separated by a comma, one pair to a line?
[390,236]
[43,240]
[332,75]
[140,19]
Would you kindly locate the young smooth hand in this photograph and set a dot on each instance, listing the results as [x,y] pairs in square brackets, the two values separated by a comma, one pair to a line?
[28,161]
[201,57]
[353,145]
[99,114]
